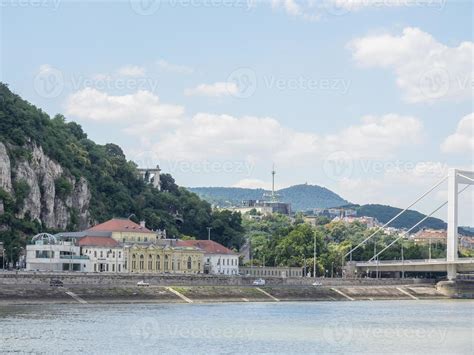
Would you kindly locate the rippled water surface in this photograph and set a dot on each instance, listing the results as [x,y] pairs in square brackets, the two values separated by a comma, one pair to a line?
[421,327]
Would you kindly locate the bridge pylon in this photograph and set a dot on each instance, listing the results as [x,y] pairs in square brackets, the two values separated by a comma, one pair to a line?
[455,177]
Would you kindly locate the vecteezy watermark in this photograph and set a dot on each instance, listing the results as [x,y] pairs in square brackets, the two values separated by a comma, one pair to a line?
[343,7]
[335,84]
[106,82]
[244,82]
[150,7]
[435,83]
[150,331]
[210,167]
[342,165]
[344,332]
[338,165]
[338,333]
[438,82]
[50,82]
[45,4]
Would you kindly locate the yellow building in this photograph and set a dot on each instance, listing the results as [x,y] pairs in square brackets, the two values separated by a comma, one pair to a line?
[153,258]
[146,252]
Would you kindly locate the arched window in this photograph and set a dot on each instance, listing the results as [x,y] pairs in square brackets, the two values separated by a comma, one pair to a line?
[166,262]
[142,262]
[189,263]
[158,266]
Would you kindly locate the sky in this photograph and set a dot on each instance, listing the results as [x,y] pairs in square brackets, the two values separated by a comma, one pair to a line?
[369,98]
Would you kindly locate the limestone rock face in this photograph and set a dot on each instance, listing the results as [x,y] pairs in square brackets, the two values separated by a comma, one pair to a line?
[5,169]
[43,203]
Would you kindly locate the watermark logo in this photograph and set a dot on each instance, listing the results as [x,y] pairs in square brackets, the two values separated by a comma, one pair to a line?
[338,165]
[338,333]
[245,82]
[145,7]
[434,83]
[145,330]
[49,82]
[45,4]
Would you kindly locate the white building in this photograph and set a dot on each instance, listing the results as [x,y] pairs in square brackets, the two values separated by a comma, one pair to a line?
[104,254]
[46,253]
[218,260]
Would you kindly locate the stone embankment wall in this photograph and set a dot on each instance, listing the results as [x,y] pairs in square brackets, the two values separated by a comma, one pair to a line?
[38,278]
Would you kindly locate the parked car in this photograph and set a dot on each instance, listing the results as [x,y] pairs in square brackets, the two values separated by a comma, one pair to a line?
[259,282]
[56,283]
[317,283]
[143,283]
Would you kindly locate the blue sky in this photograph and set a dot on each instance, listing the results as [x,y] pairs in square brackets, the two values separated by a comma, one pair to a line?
[218,91]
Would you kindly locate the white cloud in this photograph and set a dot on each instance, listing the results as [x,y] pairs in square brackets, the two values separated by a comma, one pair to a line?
[132,71]
[174,68]
[461,141]
[426,70]
[218,89]
[255,139]
[145,110]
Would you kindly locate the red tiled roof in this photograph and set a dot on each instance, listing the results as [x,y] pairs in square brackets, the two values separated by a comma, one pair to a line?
[120,225]
[209,246]
[431,233]
[98,242]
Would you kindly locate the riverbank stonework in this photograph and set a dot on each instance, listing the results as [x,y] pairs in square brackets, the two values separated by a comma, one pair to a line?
[39,278]
[25,288]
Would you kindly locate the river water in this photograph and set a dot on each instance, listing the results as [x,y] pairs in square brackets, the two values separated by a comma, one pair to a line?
[375,327]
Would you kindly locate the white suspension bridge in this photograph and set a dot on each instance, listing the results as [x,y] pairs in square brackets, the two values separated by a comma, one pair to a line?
[458,181]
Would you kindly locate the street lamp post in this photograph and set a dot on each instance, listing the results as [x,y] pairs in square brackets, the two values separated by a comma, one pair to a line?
[314,257]
[209,233]
[403,263]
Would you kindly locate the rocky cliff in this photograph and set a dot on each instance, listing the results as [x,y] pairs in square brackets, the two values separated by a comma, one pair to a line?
[39,176]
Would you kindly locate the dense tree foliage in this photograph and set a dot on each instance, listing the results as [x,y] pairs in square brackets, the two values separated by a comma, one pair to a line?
[278,241]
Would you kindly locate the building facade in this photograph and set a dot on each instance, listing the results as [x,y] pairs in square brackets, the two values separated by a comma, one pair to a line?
[46,253]
[154,258]
[218,260]
[105,254]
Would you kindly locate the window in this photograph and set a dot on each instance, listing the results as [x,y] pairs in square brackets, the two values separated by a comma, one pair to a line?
[150,265]
[145,239]
[113,267]
[95,253]
[101,254]
[120,254]
[189,263]
[158,266]
[166,262]
[113,255]
[179,265]
[138,238]
[95,267]
[119,267]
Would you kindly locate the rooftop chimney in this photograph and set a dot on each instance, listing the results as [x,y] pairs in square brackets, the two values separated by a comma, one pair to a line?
[142,224]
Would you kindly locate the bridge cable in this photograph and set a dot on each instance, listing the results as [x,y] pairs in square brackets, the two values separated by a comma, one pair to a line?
[416,225]
[394,218]
[465,177]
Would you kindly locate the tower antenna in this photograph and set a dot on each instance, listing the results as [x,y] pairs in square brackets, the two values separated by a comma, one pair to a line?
[273,182]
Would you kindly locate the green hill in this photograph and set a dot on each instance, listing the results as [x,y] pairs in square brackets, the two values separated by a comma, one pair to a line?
[54,178]
[384,213]
[302,197]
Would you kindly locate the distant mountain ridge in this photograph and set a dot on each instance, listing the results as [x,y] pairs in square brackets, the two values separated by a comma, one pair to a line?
[302,197]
